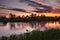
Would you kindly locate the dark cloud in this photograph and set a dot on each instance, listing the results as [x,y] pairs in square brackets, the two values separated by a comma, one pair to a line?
[34,4]
[45,9]
[24,0]
[37,6]
[1,5]
[58,1]
[30,3]
[57,10]
[42,10]
[16,9]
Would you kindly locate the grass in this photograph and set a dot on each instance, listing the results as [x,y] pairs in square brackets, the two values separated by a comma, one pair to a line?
[52,34]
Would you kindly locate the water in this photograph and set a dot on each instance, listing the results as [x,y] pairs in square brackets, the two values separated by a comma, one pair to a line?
[23,27]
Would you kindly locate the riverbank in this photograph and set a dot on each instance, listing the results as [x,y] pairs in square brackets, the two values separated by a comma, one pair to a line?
[52,34]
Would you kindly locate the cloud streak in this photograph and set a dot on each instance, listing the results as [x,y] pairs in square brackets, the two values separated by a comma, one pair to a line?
[38,6]
[16,9]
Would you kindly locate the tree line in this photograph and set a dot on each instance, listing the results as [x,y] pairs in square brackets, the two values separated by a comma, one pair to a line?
[30,18]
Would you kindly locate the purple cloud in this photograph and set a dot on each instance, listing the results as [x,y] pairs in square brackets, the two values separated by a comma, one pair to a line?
[16,9]
[38,6]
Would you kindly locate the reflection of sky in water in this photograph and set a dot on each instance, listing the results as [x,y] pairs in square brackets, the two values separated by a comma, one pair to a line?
[18,28]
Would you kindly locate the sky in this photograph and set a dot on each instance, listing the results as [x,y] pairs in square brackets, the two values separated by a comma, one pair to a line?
[29,6]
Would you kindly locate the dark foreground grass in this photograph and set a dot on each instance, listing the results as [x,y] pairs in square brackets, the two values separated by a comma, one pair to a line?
[53,34]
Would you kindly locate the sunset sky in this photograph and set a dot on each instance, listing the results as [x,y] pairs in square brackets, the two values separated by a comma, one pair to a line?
[27,7]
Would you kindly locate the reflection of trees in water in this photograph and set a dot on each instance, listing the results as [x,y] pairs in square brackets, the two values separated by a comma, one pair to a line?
[42,23]
[18,24]
[2,24]
[41,26]
[12,26]
[33,24]
[59,22]
[36,24]
[22,25]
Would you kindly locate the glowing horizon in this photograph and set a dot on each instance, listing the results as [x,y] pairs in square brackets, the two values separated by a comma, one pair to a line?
[17,13]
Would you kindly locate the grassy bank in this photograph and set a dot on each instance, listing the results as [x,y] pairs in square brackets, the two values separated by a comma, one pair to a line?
[53,34]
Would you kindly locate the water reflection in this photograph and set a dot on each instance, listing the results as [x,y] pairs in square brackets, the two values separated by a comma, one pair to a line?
[52,25]
[32,24]
[22,27]
[12,26]
[2,24]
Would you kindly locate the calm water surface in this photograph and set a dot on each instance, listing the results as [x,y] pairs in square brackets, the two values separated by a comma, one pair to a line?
[23,27]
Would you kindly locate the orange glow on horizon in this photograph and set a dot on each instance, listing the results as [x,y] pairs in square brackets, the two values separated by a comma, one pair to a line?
[52,14]
[17,13]
[37,14]
[48,14]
